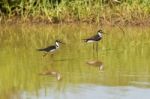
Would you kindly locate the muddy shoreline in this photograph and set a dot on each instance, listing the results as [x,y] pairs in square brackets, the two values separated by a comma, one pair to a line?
[102,22]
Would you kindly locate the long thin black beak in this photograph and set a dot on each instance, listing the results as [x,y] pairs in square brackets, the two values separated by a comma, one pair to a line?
[104,33]
[61,42]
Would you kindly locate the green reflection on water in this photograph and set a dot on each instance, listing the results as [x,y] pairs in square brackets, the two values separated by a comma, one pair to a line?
[125,58]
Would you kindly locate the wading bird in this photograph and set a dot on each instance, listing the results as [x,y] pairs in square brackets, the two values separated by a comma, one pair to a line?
[95,38]
[51,48]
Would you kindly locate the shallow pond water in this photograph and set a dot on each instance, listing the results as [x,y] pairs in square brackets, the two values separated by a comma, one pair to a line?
[123,52]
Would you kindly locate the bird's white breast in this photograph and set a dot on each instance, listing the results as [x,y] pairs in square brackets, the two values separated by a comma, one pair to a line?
[100,34]
[90,41]
[52,50]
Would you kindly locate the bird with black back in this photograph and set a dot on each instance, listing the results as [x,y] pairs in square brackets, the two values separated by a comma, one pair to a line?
[51,48]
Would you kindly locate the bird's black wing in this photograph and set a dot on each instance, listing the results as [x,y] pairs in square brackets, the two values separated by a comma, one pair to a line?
[47,49]
[91,38]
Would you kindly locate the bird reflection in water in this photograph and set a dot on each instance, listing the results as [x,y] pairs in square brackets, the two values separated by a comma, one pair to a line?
[96,63]
[51,73]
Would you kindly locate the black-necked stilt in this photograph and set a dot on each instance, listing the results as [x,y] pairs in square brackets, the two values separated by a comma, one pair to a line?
[95,38]
[51,48]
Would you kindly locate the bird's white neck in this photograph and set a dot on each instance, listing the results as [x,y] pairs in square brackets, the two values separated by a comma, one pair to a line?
[100,34]
[57,45]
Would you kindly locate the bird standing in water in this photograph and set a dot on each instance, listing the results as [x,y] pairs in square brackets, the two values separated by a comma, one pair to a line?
[95,38]
[51,48]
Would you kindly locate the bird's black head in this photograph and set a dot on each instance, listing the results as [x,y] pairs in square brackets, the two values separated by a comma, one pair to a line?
[100,31]
[58,41]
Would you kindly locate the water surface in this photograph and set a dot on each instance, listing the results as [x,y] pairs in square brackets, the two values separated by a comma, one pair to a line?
[124,55]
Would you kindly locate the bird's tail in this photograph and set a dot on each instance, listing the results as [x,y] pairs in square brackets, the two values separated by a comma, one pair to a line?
[85,40]
[40,49]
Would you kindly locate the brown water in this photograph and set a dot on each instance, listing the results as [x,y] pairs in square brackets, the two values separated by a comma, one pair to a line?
[25,74]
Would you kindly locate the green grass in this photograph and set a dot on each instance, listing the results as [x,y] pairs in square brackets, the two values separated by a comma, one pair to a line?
[129,11]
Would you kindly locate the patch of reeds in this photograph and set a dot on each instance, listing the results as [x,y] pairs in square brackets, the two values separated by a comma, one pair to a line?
[56,11]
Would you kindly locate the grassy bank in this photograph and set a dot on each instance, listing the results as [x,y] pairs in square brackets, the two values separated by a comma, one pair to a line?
[135,12]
